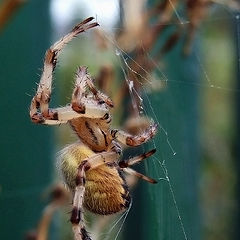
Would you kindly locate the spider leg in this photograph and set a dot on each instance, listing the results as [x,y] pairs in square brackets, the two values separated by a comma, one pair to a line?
[82,104]
[83,79]
[79,90]
[39,108]
[76,219]
[139,175]
[65,114]
[125,165]
[137,159]
[131,140]
[92,162]
[101,97]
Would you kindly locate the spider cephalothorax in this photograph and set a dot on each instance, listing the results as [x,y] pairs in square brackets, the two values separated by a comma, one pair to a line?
[90,167]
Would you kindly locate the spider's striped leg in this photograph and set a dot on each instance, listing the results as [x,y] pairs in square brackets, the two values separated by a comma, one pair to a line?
[134,140]
[76,219]
[137,159]
[79,90]
[115,147]
[139,175]
[65,114]
[125,165]
[39,108]
[101,97]
[79,93]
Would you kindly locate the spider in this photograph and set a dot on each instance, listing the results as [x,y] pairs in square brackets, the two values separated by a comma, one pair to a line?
[90,167]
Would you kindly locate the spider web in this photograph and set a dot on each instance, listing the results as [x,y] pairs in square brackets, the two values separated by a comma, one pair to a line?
[158,163]
[123,62]
[206,82]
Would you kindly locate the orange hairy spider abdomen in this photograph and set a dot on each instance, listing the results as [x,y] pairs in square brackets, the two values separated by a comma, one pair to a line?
[106,191]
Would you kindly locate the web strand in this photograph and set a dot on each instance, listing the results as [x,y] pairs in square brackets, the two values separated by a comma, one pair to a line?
[120,53]
[124,59]
[163,166]
[176,12]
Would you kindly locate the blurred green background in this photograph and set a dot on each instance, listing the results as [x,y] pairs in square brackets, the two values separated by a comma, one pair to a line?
[197,196]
